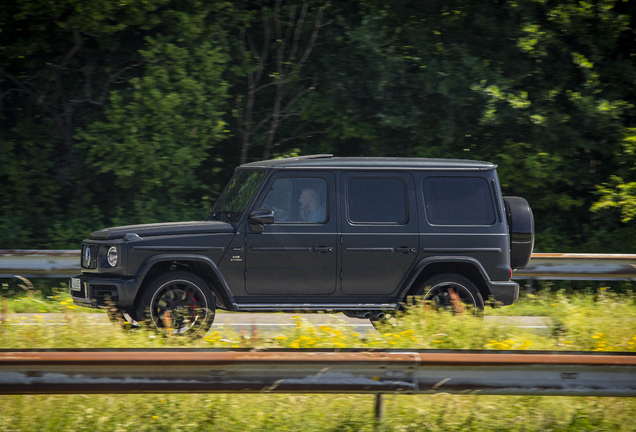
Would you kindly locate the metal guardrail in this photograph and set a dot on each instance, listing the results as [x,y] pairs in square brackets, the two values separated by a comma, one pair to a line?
[570,266]
[321,371]
[39,263]
[65,263]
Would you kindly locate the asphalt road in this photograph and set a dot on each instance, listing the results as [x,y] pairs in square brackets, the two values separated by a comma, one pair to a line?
[264,322]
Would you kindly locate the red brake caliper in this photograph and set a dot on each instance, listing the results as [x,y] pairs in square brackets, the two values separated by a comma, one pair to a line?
[456,302]
[192,304]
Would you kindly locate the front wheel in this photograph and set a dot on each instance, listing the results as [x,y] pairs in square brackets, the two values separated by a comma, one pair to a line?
[453,293]
[178,303]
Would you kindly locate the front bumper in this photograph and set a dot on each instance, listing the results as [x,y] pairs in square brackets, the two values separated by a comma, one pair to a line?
[504,293]
[90,291]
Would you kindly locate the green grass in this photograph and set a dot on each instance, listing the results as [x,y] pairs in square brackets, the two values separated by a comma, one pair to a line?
[547,303]
[20,295]
[37,303]
[298,412]
[47,296]
[602,322]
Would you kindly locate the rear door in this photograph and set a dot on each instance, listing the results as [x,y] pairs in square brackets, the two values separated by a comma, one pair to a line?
[379,231]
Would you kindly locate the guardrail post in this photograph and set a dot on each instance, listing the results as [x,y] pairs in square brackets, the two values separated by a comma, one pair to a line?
[4,313]
[530,286]
[379,407]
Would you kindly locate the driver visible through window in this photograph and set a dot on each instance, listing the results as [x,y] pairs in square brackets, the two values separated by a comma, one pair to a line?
[297,200]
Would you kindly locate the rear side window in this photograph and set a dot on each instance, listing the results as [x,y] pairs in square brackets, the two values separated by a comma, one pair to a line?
[376,200]
[458,201]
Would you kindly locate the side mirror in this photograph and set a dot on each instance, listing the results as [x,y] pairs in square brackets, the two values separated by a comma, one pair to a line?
[261,217]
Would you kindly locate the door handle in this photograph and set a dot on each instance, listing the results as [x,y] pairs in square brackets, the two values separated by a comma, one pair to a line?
[405,249]
[323,249]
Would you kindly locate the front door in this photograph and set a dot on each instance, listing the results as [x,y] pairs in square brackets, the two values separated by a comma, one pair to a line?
[297,254]
[379,231]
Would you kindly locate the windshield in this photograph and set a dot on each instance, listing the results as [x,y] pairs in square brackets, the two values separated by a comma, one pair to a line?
[237,194]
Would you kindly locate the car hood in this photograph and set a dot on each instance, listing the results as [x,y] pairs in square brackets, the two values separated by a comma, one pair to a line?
[159,229]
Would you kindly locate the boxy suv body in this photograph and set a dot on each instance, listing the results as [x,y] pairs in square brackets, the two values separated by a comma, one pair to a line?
[318,233]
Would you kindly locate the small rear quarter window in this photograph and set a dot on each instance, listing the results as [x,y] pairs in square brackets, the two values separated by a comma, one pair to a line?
[458,201]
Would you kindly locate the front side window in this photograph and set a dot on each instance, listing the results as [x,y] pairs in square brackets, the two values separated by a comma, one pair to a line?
[458,201]
[376,200]
[297,200]
[236,196]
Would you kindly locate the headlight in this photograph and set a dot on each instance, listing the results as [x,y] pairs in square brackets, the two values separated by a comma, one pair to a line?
[86,256]
[112,256]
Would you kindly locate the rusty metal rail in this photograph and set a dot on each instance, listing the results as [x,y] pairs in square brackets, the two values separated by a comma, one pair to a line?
[321,371]
[555,266]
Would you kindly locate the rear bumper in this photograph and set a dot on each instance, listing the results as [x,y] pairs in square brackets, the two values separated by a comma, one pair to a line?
[95,292]
[504,293]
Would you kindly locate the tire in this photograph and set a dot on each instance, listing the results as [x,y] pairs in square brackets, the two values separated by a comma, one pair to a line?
[188,299]
[436,291]
[439,290]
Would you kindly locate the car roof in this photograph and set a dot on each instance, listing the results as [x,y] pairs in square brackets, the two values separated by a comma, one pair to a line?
[327,161]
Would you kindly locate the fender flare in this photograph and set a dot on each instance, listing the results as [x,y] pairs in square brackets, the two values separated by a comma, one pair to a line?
[425,262]
[151,261]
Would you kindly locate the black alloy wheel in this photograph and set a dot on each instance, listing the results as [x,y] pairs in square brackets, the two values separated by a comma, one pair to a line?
[179,303]
[443,291]
[439,292]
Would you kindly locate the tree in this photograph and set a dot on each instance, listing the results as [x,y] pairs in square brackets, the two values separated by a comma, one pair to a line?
[544,89]
[137,111]
[158,132]
[102,102]
[275,55]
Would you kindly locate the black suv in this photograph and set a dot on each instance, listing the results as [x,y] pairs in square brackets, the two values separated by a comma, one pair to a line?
[318,233]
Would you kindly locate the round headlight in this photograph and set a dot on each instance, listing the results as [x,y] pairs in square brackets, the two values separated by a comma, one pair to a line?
[86,256]
[112,256]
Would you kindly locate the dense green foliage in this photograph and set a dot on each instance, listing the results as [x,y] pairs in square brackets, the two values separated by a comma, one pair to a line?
[137,111]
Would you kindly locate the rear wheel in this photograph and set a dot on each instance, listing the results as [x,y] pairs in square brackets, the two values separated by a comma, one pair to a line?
[449,292]
[178,303]
[453,293]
